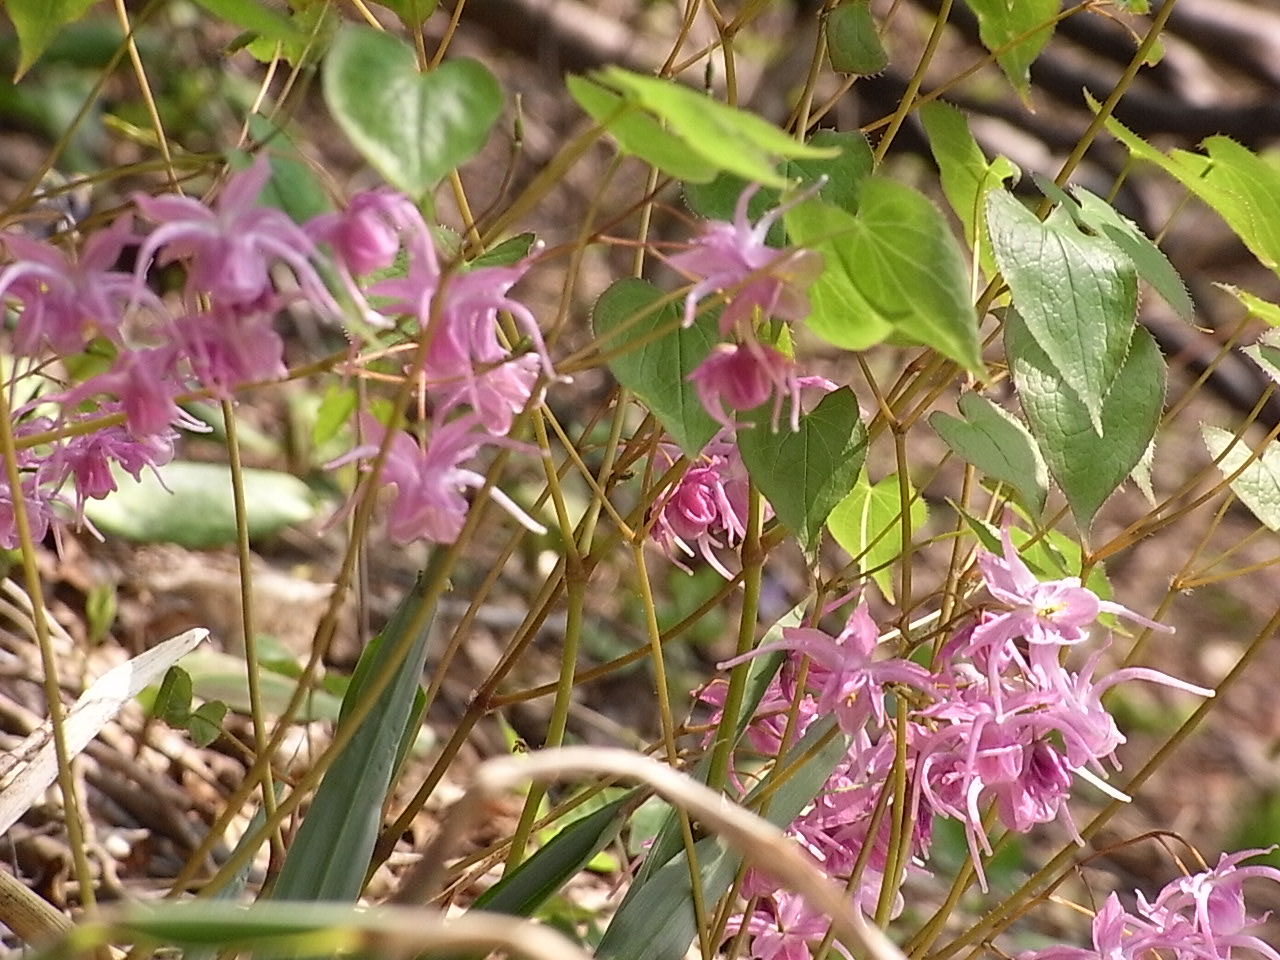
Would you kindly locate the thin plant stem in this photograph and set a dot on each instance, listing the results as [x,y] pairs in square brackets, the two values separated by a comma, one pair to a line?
[244,560]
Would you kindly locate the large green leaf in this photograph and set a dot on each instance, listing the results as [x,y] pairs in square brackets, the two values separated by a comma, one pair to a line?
[895,268]
[412,127]
[37,22]
[1078,295]
[330,852]
[868,525]
[1087,463]
[190,504]
[729,139]
[657,370]
[1258,485]
[1095,214]
[995,442]
[656,921]
[255,16]
[1008,29]
[805,473]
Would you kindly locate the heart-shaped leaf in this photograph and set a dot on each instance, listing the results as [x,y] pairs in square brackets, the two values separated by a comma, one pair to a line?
[1087,463]
[868,525]
[1078,296]
[995,442]
[412,127]
[804,474]
[657,369]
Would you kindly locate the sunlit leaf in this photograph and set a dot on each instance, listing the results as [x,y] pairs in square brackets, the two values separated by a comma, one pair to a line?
[1258,485]
[853,40]
[1008,29]
[37,22]
[868,525]
[412,127]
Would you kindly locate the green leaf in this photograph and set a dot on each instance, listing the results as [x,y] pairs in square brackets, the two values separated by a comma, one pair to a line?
[1258,485]
[335,409]
[191,505]
[805,474]
[893,268]
[967,177]
[330,852]
[1008,29]
[313,24]
[656,921]
[845,172]
[255,16]
[868,525]
[728,138]
[1259,309]
[853,40]
[412,13]
[509,251]
[204,725]
[639,134]
[37,22]
[1077,294]
[412,127]
[997,443]
[172,703]
[1094,213]
[656,371]
[292,186]
[534,881]
[1087,463]
[1241,187]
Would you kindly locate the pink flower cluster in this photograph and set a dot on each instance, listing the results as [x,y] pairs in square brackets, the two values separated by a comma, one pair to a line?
[756,282]
[242,264]
[997,724]
[1198,917]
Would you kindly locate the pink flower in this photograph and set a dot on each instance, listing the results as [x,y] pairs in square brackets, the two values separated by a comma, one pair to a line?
[146,383]
[65,302]
[742,377]
[1053,613]
[231,247]
[227,349]
[87,460]
[429,483]
[733,258]
[366,235]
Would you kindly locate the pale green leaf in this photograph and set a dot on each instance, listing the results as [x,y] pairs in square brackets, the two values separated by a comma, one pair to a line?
[868,525]
[411,127]
[196,509]
[37,22]
[1264,310]
[1258,485]
[1008,28]
[894,268]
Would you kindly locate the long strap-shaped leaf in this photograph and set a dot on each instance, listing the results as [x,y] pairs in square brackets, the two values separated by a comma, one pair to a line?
[330,853]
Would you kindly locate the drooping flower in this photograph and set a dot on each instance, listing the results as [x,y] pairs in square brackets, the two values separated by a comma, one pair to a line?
[430,481]
[733,258]
[66,301]
[230,248]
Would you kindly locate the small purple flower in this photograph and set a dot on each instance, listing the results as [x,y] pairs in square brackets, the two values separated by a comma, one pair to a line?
[430,482]
[732,258]
[366,236]
[65,302]
[1051,613]
[227,349]
[146,383]
[231,247]
[87,459]
[742,377]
